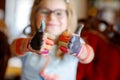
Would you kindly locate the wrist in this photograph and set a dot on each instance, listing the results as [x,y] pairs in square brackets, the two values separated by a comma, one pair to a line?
[25,44]
[21,46]
[84,53]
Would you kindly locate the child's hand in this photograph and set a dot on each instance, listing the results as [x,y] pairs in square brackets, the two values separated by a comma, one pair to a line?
[74,44]
[70,43]
[37,40]
[42,42]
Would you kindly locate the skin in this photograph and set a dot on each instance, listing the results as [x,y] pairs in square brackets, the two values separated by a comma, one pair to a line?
[54,25]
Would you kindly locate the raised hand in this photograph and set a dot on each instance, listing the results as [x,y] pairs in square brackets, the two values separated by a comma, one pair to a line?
[70,43]
[37,40]
[74,44]
[42,42]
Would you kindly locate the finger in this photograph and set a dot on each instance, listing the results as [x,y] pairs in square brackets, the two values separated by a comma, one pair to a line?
[48,43]
[64,40]
[79,29]
[49,36]
[42,26]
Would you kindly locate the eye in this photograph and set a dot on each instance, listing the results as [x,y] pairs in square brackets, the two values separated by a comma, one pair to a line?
[60,12]
[44,11]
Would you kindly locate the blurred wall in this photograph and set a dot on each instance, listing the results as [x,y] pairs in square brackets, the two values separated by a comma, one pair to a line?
[81,7]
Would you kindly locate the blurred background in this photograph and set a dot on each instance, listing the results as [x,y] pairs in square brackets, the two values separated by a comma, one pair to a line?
[102,31]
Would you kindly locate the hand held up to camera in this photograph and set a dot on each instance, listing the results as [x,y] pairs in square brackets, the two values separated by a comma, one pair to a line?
[42,42]
[37,40]
[70,42]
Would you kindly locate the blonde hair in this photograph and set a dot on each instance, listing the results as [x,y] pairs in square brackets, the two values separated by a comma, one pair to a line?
[72,20]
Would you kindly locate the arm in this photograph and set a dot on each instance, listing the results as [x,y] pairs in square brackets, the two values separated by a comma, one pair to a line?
[22,45]
[86,54]
[71,43]
[36,44]
[19,46]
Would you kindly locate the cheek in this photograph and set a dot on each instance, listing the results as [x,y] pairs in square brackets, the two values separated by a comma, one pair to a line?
[64,24]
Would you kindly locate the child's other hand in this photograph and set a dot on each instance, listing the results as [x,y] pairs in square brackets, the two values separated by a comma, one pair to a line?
[37,40]
[41,43]
[74,44]
[69,43]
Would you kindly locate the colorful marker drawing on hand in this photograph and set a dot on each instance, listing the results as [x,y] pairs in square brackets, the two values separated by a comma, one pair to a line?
[69,42]
[42,41]
[37,40]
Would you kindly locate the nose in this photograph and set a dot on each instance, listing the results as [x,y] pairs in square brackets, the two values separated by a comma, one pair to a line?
[51,16]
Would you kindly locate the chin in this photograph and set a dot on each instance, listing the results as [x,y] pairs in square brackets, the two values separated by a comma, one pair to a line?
[53,32]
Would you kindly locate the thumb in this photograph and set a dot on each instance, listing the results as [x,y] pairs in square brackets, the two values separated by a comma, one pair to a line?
[79,29]
[42,26]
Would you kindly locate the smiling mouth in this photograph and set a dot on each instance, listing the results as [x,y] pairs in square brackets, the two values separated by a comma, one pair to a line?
[51,24]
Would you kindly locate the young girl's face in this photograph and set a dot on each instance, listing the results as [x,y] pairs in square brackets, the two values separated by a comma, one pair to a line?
[54,12]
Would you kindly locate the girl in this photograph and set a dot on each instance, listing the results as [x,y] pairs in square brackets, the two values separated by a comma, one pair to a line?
[51,59]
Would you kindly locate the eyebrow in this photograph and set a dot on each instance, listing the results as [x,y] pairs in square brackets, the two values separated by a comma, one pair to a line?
[51,9]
